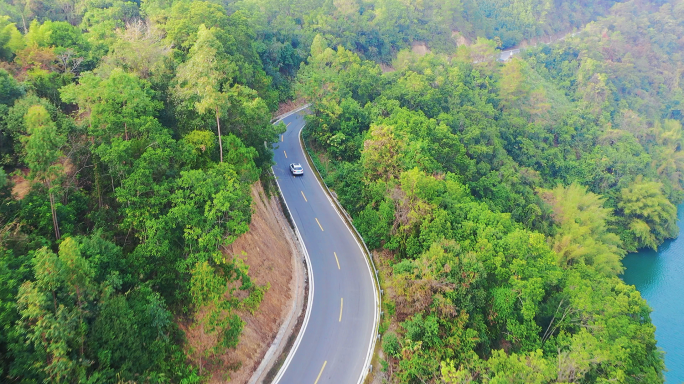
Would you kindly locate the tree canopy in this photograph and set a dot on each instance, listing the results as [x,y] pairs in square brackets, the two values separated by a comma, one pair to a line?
[498,197]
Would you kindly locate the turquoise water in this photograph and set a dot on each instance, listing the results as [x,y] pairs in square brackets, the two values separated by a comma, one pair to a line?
[659,276]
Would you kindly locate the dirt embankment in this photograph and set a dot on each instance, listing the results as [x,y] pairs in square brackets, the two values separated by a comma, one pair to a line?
[289,106]
[21,186]
[270,250]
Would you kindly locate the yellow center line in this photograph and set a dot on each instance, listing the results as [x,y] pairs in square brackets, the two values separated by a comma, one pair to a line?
[288,124]
[341,305]
[305,198]
[338,261]
[319,223]
[285,154]
[282,137]
[321,372]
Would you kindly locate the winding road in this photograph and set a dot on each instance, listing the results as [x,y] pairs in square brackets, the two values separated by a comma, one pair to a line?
[335,341]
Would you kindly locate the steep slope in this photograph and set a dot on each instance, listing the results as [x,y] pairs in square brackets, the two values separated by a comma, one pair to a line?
[273,258]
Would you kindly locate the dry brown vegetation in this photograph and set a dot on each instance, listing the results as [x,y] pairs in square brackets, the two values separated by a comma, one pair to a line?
[21,186]
[266,250]
[420,48]
[289,106]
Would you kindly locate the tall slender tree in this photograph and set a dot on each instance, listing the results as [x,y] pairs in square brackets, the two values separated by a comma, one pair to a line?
[43,150]
[204,80]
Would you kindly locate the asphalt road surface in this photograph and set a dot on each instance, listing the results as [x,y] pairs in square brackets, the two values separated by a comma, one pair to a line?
[333,345]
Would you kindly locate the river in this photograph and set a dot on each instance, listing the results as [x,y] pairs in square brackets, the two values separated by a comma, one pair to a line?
[659,276]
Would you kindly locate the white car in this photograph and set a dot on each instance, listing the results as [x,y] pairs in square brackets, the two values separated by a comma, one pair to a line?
[296,169]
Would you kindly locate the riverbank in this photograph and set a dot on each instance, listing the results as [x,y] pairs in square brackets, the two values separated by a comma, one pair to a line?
[659,276]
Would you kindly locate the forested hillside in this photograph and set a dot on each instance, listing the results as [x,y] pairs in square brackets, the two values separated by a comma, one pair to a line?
[130,137]
[499,198]
[377,29]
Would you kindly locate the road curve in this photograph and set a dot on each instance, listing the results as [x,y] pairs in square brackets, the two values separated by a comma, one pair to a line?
[334,343]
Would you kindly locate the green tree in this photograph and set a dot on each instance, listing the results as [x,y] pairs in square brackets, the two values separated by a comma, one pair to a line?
[138,49]
[132,334]
[650,216]
[210,289]
[512,83]
[668,154]
[584,235]
[204,80]
[43,150]
[213,208]
[11,39]
[10,90]
[380,155]
[56,325]
[119,106]
[120,113]
[184,18]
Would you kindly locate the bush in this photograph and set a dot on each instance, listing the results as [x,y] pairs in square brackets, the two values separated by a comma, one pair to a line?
[390,344]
